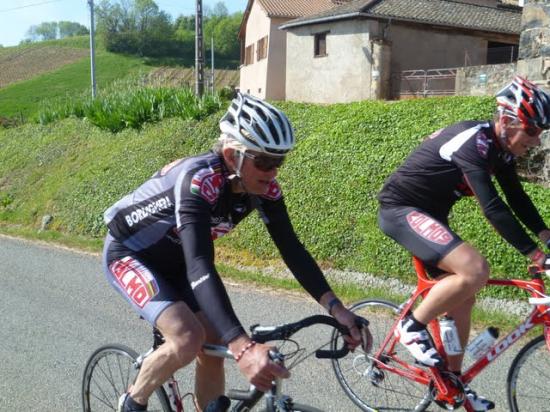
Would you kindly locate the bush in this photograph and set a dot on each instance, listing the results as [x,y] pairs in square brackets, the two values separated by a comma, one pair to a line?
[132,107]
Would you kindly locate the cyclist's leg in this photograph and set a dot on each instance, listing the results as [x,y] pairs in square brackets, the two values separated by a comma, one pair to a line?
[209,373]
[469,272]
[147,286]
[462,317]
[431,239]
[184,337]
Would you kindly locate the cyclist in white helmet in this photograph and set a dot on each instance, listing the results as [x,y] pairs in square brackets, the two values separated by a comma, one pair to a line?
[416,200]
[159,252]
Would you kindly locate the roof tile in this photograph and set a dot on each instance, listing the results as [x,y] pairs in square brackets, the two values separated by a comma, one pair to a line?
[297,8]
[440,12]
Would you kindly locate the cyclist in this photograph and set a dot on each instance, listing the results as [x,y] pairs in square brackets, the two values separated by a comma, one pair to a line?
[416,200]
[159,252]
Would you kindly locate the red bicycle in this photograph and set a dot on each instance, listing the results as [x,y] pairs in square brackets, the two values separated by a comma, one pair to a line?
[388,378]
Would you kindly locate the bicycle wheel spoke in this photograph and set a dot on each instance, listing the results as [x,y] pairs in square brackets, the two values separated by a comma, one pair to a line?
[366,380]
[104,397]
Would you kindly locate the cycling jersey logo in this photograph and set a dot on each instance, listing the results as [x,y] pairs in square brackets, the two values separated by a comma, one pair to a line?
[221,229]
[199,281]
[144,212]
[207,183]
[135,280]
[429,228]
[482,145]
[274,191]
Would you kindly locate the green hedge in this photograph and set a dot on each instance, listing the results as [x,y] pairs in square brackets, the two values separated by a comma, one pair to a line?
[73,170]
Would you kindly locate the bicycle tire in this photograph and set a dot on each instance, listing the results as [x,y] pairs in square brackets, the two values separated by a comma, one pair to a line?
[528,376]
[108,373]
[370,388]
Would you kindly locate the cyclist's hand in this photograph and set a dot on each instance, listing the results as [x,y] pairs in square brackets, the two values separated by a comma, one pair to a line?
[366,336]
[258,369]
[347,318]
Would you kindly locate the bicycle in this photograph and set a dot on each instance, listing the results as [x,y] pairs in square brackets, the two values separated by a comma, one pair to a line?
[111,369]
[389,378]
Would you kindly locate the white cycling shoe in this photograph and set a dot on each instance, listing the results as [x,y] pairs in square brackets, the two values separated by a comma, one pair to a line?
[479,403]
[418,343]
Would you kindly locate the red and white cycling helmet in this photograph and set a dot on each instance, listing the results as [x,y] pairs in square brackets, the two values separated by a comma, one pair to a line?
[526,102]
[258,125]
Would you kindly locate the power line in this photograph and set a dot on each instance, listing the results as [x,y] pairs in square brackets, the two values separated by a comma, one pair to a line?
[30,5]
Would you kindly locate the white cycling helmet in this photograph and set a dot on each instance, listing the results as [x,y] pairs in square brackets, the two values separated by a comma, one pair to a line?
[526,102]
[258,126]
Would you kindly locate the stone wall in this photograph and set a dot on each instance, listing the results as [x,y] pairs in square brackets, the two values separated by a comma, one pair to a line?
[483,80]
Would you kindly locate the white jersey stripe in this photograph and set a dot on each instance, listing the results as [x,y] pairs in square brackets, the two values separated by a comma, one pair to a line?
[446,151]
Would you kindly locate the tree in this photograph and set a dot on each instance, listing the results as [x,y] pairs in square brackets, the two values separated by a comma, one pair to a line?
[71,29]
[47,31]
[224,30]
[219,10]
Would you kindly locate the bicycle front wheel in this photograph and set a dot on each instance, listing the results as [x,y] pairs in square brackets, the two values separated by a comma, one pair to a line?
[372,388]
[108,374]
[528,377]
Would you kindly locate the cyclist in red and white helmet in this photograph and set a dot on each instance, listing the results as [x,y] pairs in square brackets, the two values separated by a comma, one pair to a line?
[416,201]
[524,101]
[159,252]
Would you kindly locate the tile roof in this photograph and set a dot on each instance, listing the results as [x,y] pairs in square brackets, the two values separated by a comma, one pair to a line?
[437,12]
[297,8]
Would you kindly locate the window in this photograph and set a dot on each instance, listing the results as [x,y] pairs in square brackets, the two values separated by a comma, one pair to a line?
[320,49]
[249,55]
[498,53]
[261,48]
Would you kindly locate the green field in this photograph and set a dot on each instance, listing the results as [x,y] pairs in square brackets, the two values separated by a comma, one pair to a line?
[25,98]
[33,75]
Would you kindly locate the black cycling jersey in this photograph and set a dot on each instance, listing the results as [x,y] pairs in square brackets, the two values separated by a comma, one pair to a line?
[459,161]
[190,202]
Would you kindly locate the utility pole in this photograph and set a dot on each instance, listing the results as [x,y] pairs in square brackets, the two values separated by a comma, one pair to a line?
[199,52]
[212,62]
[92,47]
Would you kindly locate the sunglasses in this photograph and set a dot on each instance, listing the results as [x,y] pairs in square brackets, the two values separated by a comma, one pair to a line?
[265,163]
[531,130]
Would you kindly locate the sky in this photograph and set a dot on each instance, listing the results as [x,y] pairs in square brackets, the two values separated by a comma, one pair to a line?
[17,16]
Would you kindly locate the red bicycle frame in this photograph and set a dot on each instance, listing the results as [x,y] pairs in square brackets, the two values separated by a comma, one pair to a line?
[448,393]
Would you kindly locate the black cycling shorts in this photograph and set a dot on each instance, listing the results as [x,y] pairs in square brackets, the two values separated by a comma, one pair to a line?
[428,238]
[149,282]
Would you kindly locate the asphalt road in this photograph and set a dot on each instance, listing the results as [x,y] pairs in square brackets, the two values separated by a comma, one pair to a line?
[57,308]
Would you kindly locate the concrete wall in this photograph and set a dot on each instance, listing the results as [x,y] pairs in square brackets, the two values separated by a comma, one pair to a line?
[418,48]
[343,75]
[534,47]
[265,78]
[276,70]
[483,80]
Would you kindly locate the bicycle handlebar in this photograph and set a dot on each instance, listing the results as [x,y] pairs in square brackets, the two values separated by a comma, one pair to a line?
[262,334]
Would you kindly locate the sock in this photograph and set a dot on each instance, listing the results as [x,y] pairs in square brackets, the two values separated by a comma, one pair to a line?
[133,405]
[416,325]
